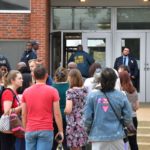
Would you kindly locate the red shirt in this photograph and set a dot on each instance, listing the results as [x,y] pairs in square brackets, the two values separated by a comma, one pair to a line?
[39,99]
[7,95]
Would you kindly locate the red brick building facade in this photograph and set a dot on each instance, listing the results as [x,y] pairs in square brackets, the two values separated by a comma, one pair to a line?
[28,26]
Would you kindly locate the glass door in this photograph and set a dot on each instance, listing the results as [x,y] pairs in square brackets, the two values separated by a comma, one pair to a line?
[99,46]
[147,68]
[136,43]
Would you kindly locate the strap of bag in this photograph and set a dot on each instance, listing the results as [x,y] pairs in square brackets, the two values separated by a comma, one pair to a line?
[120,119]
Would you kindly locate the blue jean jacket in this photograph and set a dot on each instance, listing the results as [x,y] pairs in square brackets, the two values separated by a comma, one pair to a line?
[100,121]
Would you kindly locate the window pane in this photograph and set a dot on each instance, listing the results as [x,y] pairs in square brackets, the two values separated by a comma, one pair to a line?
[81,19]
[97,49]
[133,18]
[92,18]
[62,19]
[14,4]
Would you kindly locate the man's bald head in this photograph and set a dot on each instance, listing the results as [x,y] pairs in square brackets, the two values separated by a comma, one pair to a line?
[72,65]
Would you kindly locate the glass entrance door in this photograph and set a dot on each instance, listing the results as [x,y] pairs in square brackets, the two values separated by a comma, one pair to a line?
[136,43]
[99,46]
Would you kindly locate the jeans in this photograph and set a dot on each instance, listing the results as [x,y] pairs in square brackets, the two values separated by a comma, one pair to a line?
[39,140]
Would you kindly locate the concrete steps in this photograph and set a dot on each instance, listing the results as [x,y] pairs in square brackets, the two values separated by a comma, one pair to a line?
[143,135]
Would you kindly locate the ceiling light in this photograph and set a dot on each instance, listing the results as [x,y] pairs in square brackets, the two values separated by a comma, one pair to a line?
[82,0]
[146,0]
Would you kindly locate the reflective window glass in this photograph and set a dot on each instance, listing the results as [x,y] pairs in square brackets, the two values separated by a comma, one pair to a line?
[14,4]
[92,18]
[133,18]
[97,48]
[81,18]
[62,19]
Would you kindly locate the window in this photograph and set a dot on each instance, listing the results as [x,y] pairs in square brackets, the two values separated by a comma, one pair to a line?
[133,18]
[81,18]
[14,5]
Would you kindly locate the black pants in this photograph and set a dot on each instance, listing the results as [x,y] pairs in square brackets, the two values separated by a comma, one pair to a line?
[133,138]
[7,141]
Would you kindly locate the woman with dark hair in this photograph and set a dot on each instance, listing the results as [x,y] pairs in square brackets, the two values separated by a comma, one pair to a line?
[62,85]
[132,95]
[75,133]
[104,128]
[94,73]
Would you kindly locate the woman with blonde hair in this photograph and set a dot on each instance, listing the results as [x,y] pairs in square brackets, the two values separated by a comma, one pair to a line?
[75,96]
[9,104]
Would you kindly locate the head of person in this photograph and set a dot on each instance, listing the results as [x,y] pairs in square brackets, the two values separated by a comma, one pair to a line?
[22,67]
[126,83]
[80,47]
[108,79]
[40,73]
[75,78]
[123,68]
[126,51]
[3,69]
[61,75]
[35,45]
[32,64]
[93,68]
[14,78]
[72,65]
[29,45]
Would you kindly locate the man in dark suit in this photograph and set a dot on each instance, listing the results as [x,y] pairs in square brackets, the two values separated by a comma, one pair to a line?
[129,61]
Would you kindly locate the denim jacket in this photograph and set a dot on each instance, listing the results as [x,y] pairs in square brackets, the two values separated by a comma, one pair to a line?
[99,119]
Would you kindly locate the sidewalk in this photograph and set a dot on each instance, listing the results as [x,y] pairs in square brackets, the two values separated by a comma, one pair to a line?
[143,114]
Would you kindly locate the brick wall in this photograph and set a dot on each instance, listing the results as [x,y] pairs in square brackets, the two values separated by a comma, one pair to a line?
[40,27]
[34,25]
[14,26]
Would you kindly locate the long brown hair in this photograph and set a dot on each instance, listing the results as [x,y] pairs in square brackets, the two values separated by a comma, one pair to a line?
[75,78]
[126,82]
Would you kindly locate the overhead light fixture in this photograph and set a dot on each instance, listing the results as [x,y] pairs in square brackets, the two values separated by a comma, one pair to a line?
[146,0]
[82,0]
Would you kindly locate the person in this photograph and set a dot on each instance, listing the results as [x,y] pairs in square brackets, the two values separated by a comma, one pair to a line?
[123,68]
[83,61]
[94,70]
[104,129]
[129,61]
[33,63]
[72,65]
[27,78]
[9,104]
[62,85]
[39,103]
[132,95]
[35,46]
[28,54]
[75,100]
[4,62]
[27,81]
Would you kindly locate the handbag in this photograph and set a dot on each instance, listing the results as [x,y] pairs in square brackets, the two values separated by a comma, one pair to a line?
[16,126]
[127,129]
[5,124]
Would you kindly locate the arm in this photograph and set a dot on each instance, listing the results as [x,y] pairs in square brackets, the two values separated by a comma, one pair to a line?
[88,113]
[24,114]
[58,119]
[68,108]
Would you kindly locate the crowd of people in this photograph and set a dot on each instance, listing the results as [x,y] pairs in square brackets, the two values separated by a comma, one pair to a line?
[81,107]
